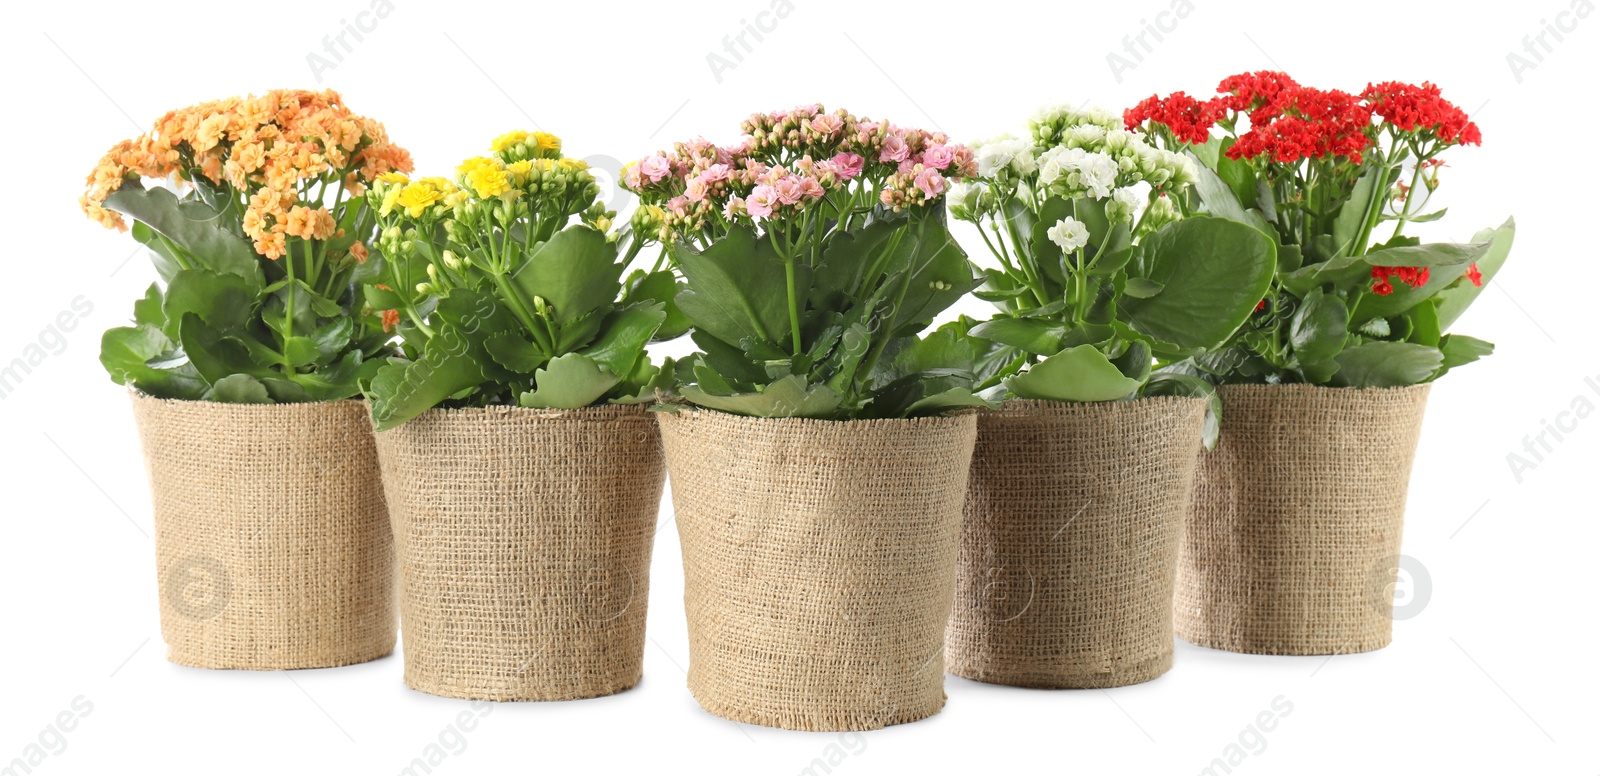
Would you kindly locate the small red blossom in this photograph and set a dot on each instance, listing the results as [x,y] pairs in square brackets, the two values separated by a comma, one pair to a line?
[1415,277]
[1474,275]
[1314,124]
[1261,94]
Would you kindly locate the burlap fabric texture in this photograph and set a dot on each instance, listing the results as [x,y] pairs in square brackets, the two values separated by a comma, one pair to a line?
[272,544]
[819,563]
[1293,540]
[524,540]
[1070,542]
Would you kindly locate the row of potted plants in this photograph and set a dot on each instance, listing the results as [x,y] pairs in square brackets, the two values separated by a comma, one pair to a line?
[863,500]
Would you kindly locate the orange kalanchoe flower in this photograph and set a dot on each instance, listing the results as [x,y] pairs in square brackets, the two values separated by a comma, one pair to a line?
[275,152]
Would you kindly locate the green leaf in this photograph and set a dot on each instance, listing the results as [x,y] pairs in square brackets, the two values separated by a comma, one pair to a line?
[339,381]
[568,382]
[514,352]
[648,378]
[239,389]
[1212,273]
[624,335]
[938,271]
[660,286]
[126,352]
[789,397]
[301,351]
[736,288]
[332,338]
[1034,335]
[1221,201]
[382,298]
[945,401]
[402,391]
[1354,212]
[148,310]
[195,227]
[1454,300]
[1459,350]
[216,355]
[575,271]
[1142,288]
[1081,374]
[1319,328]
[1387,365]
[225,302]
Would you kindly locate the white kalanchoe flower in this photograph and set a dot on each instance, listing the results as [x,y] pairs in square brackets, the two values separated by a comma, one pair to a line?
[1069,233]
[1098,174]
[1003,153]
[969,201]
[1124,205]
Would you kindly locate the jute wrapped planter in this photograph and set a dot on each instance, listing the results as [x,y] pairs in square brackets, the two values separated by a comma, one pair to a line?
[1293,538]
[524,542]
[272,544]
[1070,542]
[819,563]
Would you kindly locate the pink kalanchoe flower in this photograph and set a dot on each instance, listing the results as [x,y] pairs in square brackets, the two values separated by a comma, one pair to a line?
[631,177]
[734,209]
[698,189]
[679,206]
[761,201]
[826,125]
[848,165]
[964,162]
[908,166]
[894,149]
[790,189]
[938,156]
[716,173]
[655,167]
[812,188]
[930,183]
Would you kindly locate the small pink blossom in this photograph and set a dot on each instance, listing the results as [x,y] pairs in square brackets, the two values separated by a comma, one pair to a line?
[631,178]
[655,167]
[847,165]
[716,173]
[812,189]
[679,206]
[761,201]
[697,190]
[930,183]
[965,164]
[826,125]
[791,189]
[908,166]
[734,208]
[894,149]
[938,156]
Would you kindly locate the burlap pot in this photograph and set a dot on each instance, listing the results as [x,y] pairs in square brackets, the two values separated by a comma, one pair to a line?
[819,563]
[1070,542]
[523,539]
[1294,535]
[272,544]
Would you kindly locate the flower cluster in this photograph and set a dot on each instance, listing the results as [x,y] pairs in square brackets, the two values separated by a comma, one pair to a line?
[1074,155]
[1289,122]
[270,157]
[785,163]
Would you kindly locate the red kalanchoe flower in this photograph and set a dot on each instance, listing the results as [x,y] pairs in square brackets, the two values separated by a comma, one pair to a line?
[1474,275]
[1314,124]
[1261,93]
[1421,108]
[1189,119]
[1416,277]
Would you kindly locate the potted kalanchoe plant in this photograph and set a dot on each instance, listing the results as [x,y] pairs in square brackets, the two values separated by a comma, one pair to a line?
[272,545]
[522,472]
[1325,385]
[817,478]
[1081,477]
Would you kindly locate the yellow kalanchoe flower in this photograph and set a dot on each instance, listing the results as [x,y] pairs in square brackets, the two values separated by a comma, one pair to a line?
[466,167]
[519,171]
[547,141]
[489,181]
[416,197]
[508,140]
[393,177]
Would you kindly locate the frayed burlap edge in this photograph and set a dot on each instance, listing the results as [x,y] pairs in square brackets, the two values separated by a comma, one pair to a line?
[272,542]
[524,538]
[819,563]
[1295,530]
[1070,540]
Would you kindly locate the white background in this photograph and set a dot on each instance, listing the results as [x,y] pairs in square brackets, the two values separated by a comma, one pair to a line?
[1496,674]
